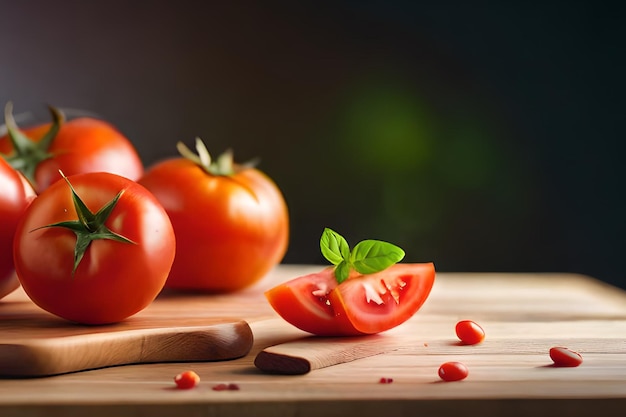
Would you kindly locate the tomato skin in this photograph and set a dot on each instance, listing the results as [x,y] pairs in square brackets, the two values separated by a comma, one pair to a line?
[82,145]
[15,195]
[453,371]
[564,357]
[230,230]
[469,332]
[344,310]
[114,280]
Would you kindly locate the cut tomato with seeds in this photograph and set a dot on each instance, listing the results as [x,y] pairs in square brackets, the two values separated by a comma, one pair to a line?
[362,304]
[304,303]
[453,371]
[564,357]
[469,332]
[400,291]
[187,380]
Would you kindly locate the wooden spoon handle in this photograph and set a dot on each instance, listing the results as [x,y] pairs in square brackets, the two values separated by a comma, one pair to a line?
[304,355]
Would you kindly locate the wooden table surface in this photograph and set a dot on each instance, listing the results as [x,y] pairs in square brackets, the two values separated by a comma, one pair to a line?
[510,373]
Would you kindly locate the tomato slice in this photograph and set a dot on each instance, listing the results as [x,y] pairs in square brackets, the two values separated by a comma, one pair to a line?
[304,303]
[363,304]
[377,302]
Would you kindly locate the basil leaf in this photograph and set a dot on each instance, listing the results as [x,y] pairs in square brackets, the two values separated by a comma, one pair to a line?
[342,271]
[334,247]
[370,256]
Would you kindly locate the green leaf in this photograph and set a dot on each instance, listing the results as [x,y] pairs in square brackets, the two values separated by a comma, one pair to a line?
[342,271]
[334,247]
[371,256]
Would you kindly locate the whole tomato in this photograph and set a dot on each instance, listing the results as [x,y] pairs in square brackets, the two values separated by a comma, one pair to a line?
[15,195]
[231,221]
[94,249]
[77,146]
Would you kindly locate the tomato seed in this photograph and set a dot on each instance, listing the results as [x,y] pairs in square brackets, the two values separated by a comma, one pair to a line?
[564,357]
[469,332]
[187,380]
[226,387]
[453,371]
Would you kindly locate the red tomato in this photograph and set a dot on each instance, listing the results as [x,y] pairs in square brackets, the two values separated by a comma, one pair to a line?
[469,332]
[15,195]
[230,229]
[362,304]
[114,280]
[564,357]
[453,371]
[81,145]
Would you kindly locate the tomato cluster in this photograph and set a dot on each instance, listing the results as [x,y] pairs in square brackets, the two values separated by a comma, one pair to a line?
[93,237]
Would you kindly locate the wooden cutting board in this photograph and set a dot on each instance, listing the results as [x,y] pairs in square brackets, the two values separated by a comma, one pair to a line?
[36,343]
[510,373]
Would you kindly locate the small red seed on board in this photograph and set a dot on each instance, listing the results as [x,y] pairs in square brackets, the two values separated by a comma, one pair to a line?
[469,332]
[384,380]
[564,357]
[453,371]
[226,387]
[186,380]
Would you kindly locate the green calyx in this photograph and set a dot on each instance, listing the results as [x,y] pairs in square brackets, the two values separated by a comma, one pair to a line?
[367,257]
[89,226]
[224,165]
[27,154]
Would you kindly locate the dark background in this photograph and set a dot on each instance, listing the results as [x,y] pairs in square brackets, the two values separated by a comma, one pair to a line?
[480,138]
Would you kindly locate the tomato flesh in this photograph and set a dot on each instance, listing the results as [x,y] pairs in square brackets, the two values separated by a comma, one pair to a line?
[304,303]
[363,304]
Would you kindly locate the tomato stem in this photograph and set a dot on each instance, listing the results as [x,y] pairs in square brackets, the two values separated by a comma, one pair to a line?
[27,154]
[89,226]
[224,165]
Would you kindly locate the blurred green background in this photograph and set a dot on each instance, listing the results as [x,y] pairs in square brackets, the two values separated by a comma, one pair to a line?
[480,138]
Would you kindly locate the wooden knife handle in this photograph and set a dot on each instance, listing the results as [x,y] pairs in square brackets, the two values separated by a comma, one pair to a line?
[304,355]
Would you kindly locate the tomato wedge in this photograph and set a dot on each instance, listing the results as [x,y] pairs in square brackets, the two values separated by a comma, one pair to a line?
[362,304]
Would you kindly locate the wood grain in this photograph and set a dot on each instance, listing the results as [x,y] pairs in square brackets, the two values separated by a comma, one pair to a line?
[510,373]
